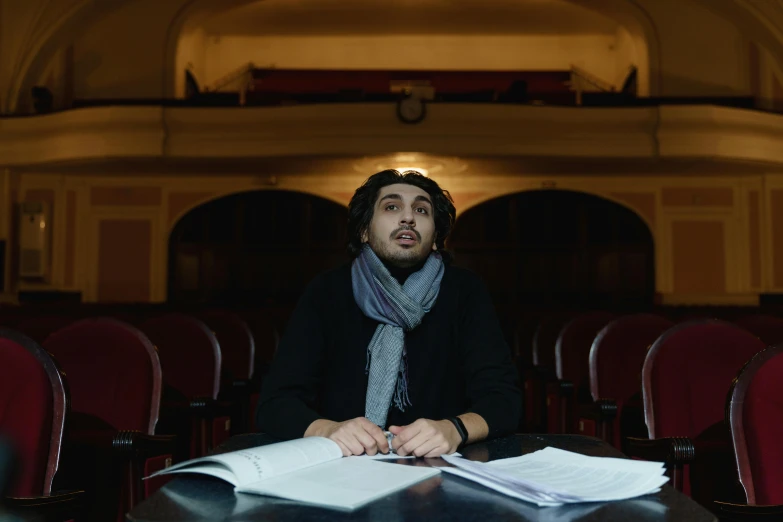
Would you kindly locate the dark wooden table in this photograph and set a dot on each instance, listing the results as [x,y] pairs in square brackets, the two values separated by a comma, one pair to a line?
[445,497]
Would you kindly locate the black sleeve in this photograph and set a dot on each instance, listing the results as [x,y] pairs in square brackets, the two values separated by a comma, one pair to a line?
[492,381]
[286,406]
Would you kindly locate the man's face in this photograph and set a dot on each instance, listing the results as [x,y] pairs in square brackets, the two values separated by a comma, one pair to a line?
[402,229]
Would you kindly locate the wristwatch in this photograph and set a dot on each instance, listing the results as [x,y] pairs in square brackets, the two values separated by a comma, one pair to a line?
[463,433]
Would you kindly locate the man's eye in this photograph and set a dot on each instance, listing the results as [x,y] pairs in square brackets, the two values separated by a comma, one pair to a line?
[422,210]
[391,207]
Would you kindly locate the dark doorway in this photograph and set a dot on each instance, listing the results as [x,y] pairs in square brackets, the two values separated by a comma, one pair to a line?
[553,248]
[254,248]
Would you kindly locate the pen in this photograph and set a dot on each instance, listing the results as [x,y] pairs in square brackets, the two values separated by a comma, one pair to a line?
[389,437]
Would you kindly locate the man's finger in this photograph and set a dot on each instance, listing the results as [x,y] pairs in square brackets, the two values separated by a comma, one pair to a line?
[432,449]
[344,449]
[376,433]
[408,433]
[366,440]
[410,447]
[353,445]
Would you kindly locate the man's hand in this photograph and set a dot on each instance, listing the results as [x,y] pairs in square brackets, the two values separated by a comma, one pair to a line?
[355,436]
[425,438]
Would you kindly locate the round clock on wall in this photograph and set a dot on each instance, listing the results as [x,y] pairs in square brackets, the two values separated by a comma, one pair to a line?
[411,109]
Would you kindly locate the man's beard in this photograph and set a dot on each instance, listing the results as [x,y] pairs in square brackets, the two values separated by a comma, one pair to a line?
[400,257]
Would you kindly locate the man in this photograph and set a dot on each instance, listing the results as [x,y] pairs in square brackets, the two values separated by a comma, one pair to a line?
[398,338]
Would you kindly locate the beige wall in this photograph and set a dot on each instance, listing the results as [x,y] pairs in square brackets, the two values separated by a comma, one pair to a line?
[6,201]
[702,53]
[598,54]
[717,238]
[125,54]
[629,51]
[191,54]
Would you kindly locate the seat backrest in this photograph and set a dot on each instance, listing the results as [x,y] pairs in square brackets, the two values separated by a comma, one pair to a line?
[618,352]
[768,328]
[189,354]
[33,406]
[237,346]
[265,337]
[545,339]
[113,372]
[572,350]
[41,327]
[755,415]
[687,375]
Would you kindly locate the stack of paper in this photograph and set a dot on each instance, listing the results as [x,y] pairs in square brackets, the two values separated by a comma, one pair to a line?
[552,477]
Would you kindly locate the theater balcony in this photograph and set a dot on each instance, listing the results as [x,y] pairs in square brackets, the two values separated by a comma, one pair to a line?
[502,130]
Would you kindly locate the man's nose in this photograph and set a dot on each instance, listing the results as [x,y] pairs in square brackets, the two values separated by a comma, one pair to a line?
[408,217]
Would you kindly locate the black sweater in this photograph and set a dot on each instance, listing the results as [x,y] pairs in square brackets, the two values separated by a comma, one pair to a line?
[458,360]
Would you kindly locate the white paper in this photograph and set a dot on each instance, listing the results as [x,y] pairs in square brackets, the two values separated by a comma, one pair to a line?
[262,462]
[311,470]
[347,483]
[552,477]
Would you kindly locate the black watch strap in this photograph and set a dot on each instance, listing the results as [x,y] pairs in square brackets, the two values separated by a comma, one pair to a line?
[457,422]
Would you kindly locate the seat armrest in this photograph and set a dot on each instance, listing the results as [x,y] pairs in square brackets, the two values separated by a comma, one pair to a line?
[144,445]
[603,413]
[672,450]
[63,505]
[602,410]
[561,388]
[204,407]
[742,512]
[675,452]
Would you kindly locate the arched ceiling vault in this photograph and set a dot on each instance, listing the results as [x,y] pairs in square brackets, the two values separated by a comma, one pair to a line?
[36,30]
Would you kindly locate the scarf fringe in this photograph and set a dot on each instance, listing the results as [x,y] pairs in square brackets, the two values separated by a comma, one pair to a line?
[401,398]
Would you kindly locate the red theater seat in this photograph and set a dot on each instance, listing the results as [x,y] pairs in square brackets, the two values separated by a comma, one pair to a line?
[41,327]
[572,354]
[616,360]
[114,377]
[685,380]
[237,349]
[191,359]
[33,409]
[535,379]
[768,328]
[755,415]
[756,420]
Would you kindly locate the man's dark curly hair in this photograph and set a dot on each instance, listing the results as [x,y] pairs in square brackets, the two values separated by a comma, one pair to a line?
[362,205]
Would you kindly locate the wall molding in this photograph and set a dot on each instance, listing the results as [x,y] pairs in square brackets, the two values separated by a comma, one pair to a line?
[108,133]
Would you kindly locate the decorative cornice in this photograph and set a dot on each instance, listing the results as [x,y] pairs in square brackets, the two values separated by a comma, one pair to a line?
[372,129]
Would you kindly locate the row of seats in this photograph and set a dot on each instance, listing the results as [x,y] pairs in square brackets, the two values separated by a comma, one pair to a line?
[700,394]
[110,402]
[587,379]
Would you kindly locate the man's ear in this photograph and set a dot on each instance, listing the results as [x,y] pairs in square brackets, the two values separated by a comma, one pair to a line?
[435,242]
[364,236]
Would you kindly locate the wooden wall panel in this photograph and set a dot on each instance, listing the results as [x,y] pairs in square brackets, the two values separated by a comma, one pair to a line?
[70,238]
[642,202]
[776,213]
[179,202]
[697,197]
[126,196]
[754,238]
[699,257]
[124,252]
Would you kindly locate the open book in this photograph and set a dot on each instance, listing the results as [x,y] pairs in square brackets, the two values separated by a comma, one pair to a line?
[552,477]
[310,470]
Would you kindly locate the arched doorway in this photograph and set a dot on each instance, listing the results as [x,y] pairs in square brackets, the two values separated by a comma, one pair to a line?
[553,248]
[254,248]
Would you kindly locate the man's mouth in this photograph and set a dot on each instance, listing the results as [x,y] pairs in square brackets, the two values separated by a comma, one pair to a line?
[406,238]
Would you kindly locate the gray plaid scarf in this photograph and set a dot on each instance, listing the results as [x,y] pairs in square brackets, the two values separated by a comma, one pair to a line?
[399,309]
